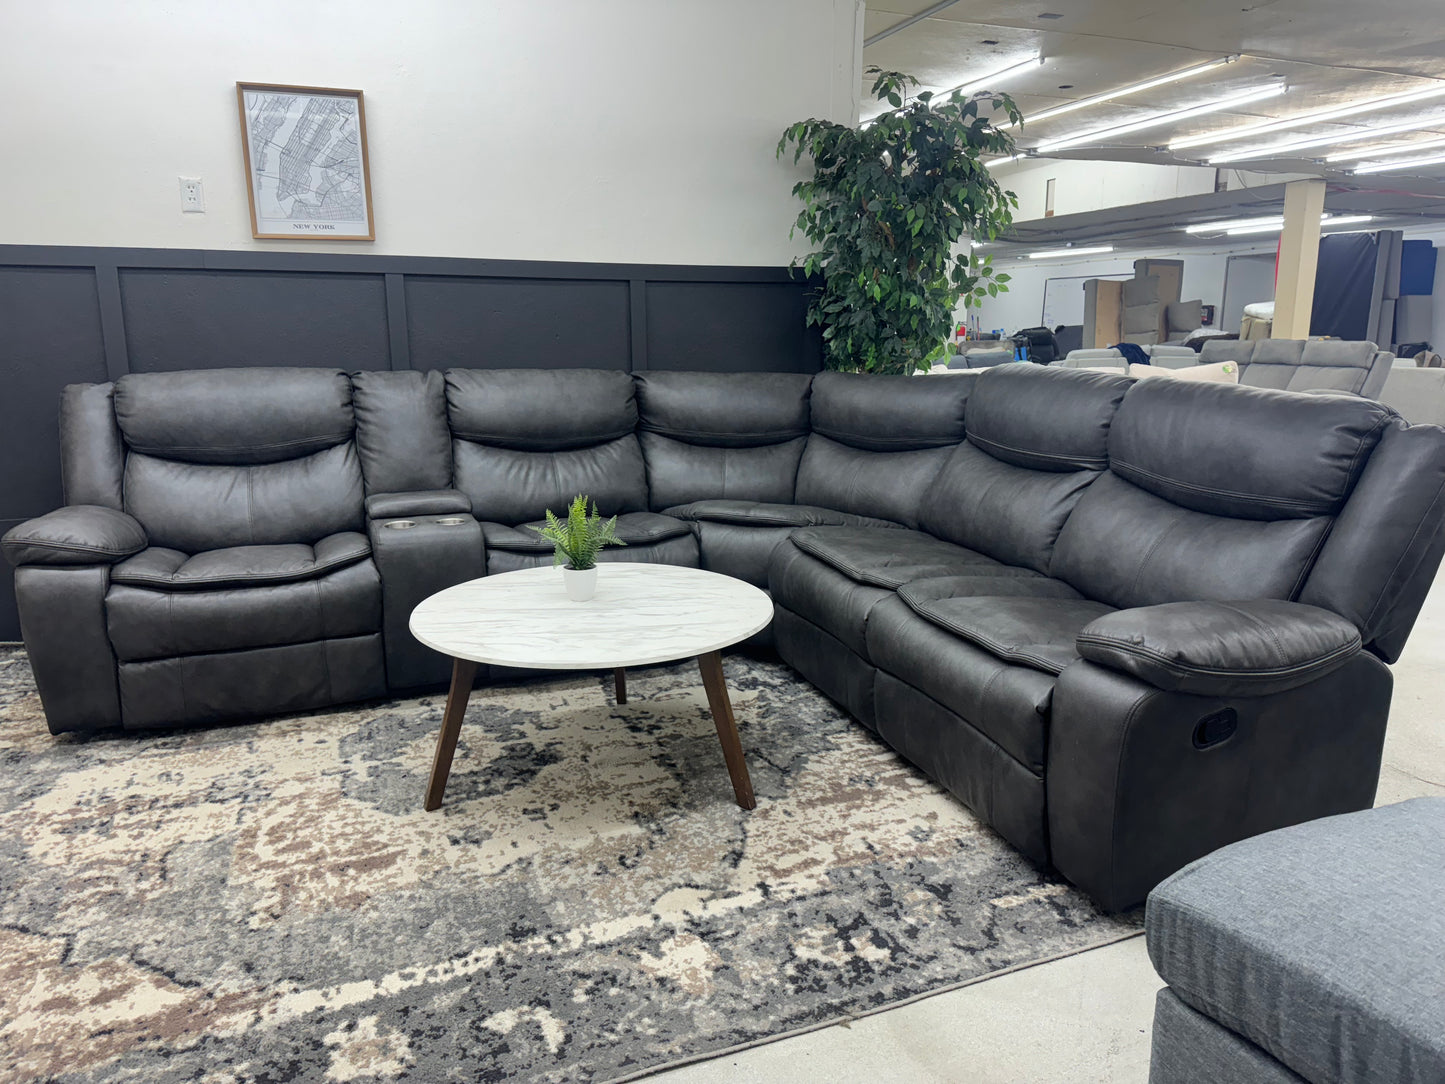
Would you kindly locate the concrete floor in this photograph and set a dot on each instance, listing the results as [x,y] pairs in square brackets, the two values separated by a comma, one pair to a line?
[1085,1018]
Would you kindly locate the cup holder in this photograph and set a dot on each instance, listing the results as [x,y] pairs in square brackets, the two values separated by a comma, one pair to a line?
[452,521]
[400,524]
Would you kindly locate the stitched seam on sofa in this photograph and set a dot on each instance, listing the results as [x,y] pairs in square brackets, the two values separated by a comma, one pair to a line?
[1414,538]
[16,543]
[1268,630]
[507,440]
[172,451]
[251,508]
[1080,462]
[764,437]
[1350,475]
[1009,653]
[1149,553]
[847,568]
[1248,498]
[842,436]
[1176,669]
[1307,566]
[349,557]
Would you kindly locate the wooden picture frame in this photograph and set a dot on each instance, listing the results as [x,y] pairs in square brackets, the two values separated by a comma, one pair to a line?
[308,170]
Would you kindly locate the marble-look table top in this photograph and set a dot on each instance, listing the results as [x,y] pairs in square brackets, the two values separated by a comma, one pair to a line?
[641,614]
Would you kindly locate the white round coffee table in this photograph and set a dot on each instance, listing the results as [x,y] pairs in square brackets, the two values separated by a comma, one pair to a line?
[640,614]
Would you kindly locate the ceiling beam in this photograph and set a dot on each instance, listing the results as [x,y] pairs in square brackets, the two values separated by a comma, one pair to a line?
[906,23]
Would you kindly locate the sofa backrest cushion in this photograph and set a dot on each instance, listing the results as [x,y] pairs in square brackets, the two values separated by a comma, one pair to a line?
[1243,452]
[1036,438]
[888,413]
[1214,492]
[722,436]
[878,442]
[1216,350]
[234,416]
[401,431]
[528,440]
[234,457]
[1273,363]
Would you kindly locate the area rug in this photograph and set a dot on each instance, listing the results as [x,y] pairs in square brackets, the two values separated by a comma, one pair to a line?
[269,902]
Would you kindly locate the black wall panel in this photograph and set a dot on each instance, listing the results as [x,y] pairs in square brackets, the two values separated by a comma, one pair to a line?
[72,315]
[49,337]
[226,319]
[479,323]
[724,326]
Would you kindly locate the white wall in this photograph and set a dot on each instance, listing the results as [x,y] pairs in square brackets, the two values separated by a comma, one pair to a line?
[1091,186]
[625,131]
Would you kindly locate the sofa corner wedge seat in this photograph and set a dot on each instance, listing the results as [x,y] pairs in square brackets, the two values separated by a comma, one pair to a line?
[1125,622]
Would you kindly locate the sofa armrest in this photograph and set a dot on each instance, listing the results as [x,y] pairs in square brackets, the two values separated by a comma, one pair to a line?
[79,534]
[427,502]
[1228,649]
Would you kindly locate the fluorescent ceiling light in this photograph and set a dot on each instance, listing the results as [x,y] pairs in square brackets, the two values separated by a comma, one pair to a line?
[1095,135]
[1300,120]
[1002,73]
[1271,150]
[1055,253]
[1276,225]
[1397,149]
[969,87]
[1132,88]
[1409,163]
[1001,161]
[1233,223]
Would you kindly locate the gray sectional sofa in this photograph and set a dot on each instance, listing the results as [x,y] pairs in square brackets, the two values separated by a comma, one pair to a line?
[1125,622]
[1359,368]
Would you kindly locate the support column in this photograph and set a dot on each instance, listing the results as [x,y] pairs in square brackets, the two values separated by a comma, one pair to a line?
[1299,257]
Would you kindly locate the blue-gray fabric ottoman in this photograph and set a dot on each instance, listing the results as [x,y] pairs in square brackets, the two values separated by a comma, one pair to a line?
[1313,953]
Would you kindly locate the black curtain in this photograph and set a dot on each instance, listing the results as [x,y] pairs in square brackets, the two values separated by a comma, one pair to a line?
[1345,285]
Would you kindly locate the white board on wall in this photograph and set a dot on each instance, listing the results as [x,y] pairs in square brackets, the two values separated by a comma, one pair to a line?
[1064,298]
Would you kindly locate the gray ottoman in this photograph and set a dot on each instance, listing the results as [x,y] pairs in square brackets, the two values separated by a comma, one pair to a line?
[1313,953]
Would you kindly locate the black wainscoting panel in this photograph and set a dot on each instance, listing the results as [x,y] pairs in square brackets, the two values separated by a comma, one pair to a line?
[729,326]
[504,323]
[201,319]
[49,337]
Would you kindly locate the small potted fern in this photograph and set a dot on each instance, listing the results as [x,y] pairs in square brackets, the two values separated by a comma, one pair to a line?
[576,541]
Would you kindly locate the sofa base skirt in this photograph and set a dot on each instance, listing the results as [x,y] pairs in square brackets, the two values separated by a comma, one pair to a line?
[235,685]
[1187,1047]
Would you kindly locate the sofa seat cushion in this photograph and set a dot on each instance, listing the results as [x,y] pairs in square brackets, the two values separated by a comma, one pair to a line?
[1319,943]
[1035,625]
[145,623]
[1006,703]
[634,528]
[891,557]
[764,514]
[240,566]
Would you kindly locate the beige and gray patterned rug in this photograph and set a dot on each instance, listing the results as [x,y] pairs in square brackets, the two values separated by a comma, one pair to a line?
[269,902]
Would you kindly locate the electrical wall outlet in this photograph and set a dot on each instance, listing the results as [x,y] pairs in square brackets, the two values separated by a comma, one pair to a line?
[193,196]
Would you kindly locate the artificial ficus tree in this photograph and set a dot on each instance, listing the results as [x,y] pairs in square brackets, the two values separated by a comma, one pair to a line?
[886,208]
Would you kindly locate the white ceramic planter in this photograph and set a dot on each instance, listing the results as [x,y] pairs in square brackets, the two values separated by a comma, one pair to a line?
[582,585]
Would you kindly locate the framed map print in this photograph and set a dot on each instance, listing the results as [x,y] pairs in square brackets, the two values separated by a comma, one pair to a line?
[307,171]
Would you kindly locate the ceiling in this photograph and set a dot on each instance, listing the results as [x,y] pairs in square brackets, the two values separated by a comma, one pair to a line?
[1328,52]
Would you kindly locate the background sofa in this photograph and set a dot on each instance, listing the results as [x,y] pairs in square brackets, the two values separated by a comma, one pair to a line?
[1098,611]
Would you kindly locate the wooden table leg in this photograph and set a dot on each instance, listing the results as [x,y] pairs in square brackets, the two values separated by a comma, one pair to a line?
[727,729]
[619,682]
[464,672]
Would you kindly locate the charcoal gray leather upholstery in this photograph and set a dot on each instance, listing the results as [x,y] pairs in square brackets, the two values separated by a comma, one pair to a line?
[1251,648]
[1098,611]
[78,534]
